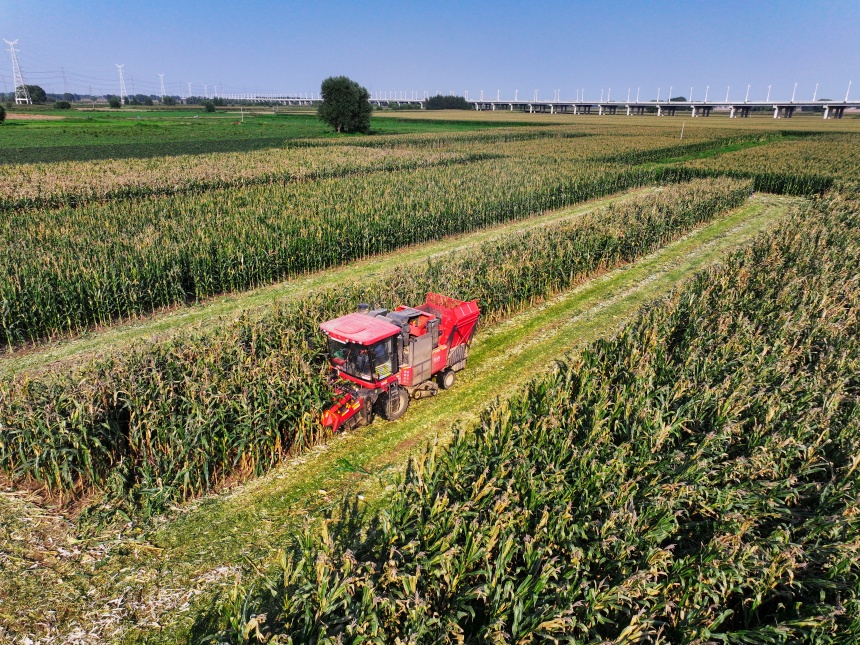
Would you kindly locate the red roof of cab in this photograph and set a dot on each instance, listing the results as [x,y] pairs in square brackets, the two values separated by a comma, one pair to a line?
[359,328]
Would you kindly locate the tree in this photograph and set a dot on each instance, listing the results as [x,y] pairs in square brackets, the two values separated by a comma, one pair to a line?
[168,100]
[208,106]
[37,94]
[440,102]
[114,102]
[345,105]
[2,114]
[62,105]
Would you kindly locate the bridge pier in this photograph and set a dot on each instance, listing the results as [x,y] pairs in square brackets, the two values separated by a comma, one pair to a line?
[739,111]
[703,110]
[834,111]
[783,111]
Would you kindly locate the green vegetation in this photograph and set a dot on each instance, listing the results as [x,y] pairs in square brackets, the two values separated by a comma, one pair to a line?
[229,240]
[37,94]
[152,407]
[200,547]
[152,134]
[440,102]
[692,479]
[97,429]
[345,106]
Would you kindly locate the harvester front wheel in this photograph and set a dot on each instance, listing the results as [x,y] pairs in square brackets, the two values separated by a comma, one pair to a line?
[446,379]
[392,405]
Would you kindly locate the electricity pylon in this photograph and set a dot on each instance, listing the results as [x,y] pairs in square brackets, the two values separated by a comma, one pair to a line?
[22,96]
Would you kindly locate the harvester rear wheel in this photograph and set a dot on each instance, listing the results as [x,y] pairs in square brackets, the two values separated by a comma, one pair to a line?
[392,405]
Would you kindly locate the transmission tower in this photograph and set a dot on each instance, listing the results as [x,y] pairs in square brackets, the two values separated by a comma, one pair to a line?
[123,95]
[161,76]
[22,96]
[66,87]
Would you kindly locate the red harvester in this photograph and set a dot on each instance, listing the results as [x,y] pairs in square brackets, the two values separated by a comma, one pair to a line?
[380,359]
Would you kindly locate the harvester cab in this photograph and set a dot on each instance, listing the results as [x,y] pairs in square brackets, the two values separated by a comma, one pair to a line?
[381,359]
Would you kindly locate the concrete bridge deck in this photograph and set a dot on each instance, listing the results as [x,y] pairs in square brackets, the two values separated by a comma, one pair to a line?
[739,109]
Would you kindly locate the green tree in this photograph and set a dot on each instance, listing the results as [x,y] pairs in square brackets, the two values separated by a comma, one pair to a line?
[62,105]
[114,102]
[345,105]
[2,114]
[440,102]
[168,100]
[208,106]
[37,94]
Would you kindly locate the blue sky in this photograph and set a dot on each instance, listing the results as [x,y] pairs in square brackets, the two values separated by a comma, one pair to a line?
[442,46]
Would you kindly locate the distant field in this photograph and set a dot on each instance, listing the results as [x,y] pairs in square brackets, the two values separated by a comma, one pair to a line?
[138,133]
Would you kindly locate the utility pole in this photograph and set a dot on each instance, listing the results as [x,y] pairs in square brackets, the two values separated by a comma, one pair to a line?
[847,91]
[161,78]
[793,92]
[728,87]
[815,93]
[122,92]
[22,96]
[747,99]
[189,92]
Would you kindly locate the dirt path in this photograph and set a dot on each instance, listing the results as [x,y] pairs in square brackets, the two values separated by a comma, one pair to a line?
[152,586]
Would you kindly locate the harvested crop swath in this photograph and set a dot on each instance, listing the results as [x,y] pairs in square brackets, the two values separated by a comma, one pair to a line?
[693,479]
[171,420]
[68,269]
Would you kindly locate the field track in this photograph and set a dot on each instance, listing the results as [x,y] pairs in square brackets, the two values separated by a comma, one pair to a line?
[210,540]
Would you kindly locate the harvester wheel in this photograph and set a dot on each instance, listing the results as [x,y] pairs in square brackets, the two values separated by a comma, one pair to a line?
[446,379]
[392,405]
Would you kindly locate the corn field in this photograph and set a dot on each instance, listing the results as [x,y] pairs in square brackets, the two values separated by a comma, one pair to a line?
[694,479]
[178,230]
[71,268]
[173,419]
[71,183]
